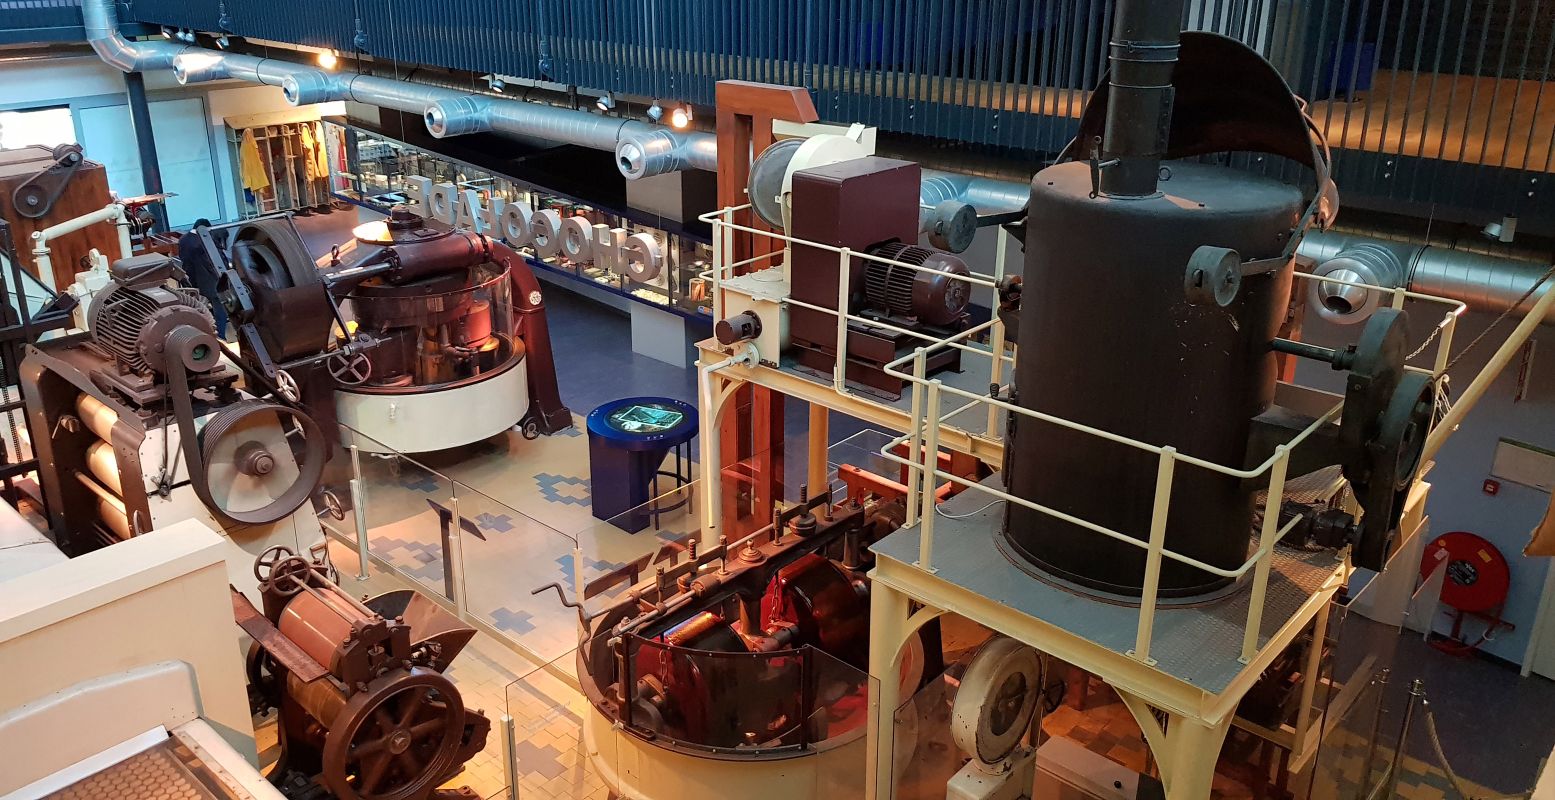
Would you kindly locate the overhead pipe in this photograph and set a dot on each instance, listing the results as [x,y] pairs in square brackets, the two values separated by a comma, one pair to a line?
[641,149]
[1483,282]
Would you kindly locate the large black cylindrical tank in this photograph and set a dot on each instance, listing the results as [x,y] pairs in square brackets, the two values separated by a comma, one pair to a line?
[1107,339]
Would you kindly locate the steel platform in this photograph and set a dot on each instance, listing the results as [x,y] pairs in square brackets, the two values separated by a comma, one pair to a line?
[1196,650]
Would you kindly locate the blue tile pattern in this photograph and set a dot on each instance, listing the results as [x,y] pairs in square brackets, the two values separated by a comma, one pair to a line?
[552,488]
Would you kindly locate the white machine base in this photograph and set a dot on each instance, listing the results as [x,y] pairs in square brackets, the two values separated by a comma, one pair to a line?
[636,770]
[436,420]
[972,783]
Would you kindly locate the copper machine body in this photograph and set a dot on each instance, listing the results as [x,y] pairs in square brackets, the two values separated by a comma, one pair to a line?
[365,710]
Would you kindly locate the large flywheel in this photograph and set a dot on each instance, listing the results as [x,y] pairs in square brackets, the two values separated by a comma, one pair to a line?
[395,741]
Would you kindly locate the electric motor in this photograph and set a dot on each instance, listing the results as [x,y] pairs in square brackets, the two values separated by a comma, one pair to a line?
[130,322]
[930,295]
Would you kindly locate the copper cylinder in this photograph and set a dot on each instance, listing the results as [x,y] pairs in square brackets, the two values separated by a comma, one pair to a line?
[319,623]
[322,699]
[104,466]
[98,417]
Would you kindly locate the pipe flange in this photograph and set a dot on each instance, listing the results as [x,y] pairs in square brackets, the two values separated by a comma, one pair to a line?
[1358,263]
[199,67]
[306,87]
[457,116]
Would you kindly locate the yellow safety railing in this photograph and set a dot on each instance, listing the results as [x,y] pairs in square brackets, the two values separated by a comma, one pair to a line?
[928,419]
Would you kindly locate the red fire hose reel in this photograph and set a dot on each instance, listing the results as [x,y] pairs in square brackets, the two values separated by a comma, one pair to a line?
[1476,585]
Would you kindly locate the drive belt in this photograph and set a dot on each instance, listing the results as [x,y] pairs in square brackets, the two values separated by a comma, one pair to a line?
[188,348]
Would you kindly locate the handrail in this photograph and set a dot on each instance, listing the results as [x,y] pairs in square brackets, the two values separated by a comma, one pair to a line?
[922,440]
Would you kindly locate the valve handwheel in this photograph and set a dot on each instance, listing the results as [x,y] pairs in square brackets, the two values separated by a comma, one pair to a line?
[264,565]
[286,386]
[350,369]
[396,740]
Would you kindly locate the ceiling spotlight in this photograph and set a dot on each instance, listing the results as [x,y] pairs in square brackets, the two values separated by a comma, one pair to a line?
[167,33]
[223,42]
[655,111]
[495,83]
[680,118]
[328,59]
[605,102]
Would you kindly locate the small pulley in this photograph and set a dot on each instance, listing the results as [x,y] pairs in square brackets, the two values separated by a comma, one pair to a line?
[36,196]
[1214,274]
[996,702]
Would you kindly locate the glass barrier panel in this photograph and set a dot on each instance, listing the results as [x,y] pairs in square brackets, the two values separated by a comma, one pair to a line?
[615,557]
[839,725]
[719,701]
[550,758]
[407,509]
[1352,759]
[506,557]
[924,756]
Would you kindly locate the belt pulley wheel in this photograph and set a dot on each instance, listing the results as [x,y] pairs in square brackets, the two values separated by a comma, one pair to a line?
[997,699]
[395,741]
[250,471]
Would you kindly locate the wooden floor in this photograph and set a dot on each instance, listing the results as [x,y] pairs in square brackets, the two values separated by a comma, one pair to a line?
[1503,123]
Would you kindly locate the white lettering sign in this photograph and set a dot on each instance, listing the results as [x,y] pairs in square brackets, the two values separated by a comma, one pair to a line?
[546,231]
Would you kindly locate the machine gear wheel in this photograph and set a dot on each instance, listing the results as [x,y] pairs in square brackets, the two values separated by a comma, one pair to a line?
[396,740]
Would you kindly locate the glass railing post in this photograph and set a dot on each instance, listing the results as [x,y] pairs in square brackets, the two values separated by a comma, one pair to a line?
[509,754]
[359,512]
[1271,527]
[454,551]
[1152,584]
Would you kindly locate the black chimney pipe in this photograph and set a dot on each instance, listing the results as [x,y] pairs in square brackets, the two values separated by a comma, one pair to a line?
[1142,55]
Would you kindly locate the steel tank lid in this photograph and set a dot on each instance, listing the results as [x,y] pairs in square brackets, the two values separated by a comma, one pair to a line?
[1190,188]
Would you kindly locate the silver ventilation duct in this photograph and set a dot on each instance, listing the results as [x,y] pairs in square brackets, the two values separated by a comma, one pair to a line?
[1483,282]
[642,149]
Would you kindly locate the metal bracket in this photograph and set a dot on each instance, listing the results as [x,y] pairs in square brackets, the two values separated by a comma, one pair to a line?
[1214,274]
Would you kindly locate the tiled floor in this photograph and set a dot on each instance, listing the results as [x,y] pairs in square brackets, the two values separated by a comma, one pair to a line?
[531,500]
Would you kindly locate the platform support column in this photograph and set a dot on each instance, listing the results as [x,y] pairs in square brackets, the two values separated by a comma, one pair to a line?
[888,629]
[1185,751]
[820,436]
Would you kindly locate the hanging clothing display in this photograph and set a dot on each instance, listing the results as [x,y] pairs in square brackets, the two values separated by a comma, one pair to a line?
[320,150]
[250,165]
[310,149]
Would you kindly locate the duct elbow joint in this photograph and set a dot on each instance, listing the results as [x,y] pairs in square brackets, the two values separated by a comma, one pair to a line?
[457,116]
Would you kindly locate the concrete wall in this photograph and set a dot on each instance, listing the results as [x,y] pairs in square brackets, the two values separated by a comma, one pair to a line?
[151,599]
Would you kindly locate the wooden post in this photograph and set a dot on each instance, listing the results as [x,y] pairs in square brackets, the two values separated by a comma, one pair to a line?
[753,432]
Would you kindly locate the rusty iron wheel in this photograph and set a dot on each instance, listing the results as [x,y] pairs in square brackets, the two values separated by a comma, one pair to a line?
[395,741]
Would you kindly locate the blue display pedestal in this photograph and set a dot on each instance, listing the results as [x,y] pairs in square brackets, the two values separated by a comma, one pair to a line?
[628,441]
